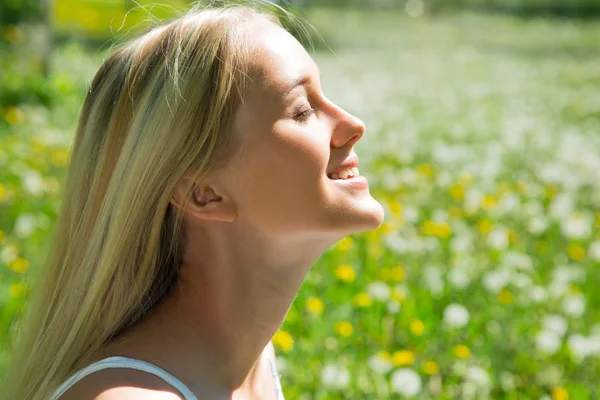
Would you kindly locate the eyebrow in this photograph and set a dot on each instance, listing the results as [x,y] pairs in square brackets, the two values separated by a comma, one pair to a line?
[303,80]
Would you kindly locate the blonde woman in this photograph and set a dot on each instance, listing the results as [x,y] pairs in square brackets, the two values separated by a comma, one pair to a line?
[209,172]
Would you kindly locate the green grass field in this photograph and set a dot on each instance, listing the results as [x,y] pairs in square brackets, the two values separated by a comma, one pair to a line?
[482,143]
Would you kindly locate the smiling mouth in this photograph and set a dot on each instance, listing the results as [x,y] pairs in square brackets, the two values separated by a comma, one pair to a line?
[344,174]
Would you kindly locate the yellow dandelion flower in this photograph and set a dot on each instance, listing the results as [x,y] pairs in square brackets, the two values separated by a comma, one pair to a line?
[345,273]
[397,274]
[403,357]
[550,190]
[417,327]
[19,265]
[384,355]
[455,212]
[425,169]
[362,300]
[457,191]
[13,116]
[465,179]
[343,328]
[430,367]
[521,187]
[484,225]
[396,209]
[346,244]
[505,297]
[2,192]
[512,236]
[461,351]
[283,340]
[375,249]
[398,294]
[17,290]
[314,305]
[576,252]
[559,393]
[431,228]
[13,34]
[59,158]
[488,202]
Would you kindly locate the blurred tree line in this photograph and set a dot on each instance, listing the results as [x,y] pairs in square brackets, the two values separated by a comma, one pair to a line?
[27,37]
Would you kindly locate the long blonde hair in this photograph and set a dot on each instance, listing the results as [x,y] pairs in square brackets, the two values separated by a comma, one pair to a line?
[158,110]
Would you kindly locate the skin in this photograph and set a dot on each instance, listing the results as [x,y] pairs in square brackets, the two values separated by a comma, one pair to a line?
[253,231]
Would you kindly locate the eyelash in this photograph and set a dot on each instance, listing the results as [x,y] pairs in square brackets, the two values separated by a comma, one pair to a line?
[305,114]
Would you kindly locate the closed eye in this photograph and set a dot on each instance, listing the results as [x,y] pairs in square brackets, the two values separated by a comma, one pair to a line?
[304,114]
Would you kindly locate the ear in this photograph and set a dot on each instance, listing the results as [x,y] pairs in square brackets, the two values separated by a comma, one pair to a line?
[204,203]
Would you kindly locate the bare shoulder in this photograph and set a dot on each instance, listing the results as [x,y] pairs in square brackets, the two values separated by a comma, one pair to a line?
[121,384]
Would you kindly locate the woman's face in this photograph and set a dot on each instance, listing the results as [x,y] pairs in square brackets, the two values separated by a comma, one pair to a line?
[293,136]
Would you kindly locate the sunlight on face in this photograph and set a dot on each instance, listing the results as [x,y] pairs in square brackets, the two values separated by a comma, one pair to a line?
[293,136]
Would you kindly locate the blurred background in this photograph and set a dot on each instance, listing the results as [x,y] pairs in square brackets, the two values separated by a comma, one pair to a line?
[483,144]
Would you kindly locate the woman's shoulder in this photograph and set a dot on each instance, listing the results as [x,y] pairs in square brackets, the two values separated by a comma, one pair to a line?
[121,384]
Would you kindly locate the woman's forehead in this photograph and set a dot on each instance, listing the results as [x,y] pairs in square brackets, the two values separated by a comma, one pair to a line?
[279,61]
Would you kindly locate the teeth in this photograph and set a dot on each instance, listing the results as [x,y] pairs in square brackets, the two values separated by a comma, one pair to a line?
[345,174]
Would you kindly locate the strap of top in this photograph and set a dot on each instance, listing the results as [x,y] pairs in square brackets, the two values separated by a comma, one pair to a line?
[124,362]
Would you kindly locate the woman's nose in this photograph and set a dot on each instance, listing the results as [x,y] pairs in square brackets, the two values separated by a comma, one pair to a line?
[348,130]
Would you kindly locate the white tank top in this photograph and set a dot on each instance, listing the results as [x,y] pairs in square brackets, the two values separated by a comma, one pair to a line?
[126,362]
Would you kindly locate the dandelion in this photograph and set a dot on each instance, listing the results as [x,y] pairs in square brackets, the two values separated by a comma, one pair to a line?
[406,382]
[283,340]
[19,265]
[403,357]
[547,342]
[2,192]
[379,291]
[394,307]
[314,305]
[417,327]
[398,293]
[381,362]
[441,230]
[13,115]
[343,328]
[430,367]
[505,297]
[362,300]
[498,239]
[559,393]
[25,225]
[396,209]
[461,351]
[574,305]
[576,252]
[345,273]
[397,274]
[456,316]
[555,323]
[345,244]
[576,226]
[335,376]
[59,158]
[17,290]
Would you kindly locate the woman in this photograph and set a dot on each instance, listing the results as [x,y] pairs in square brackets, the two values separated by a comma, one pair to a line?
[208,173]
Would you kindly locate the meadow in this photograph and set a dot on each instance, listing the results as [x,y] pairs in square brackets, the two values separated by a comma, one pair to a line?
[482,144]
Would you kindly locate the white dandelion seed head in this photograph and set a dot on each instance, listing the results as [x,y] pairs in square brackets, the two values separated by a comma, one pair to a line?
[456,316]
[406,382]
